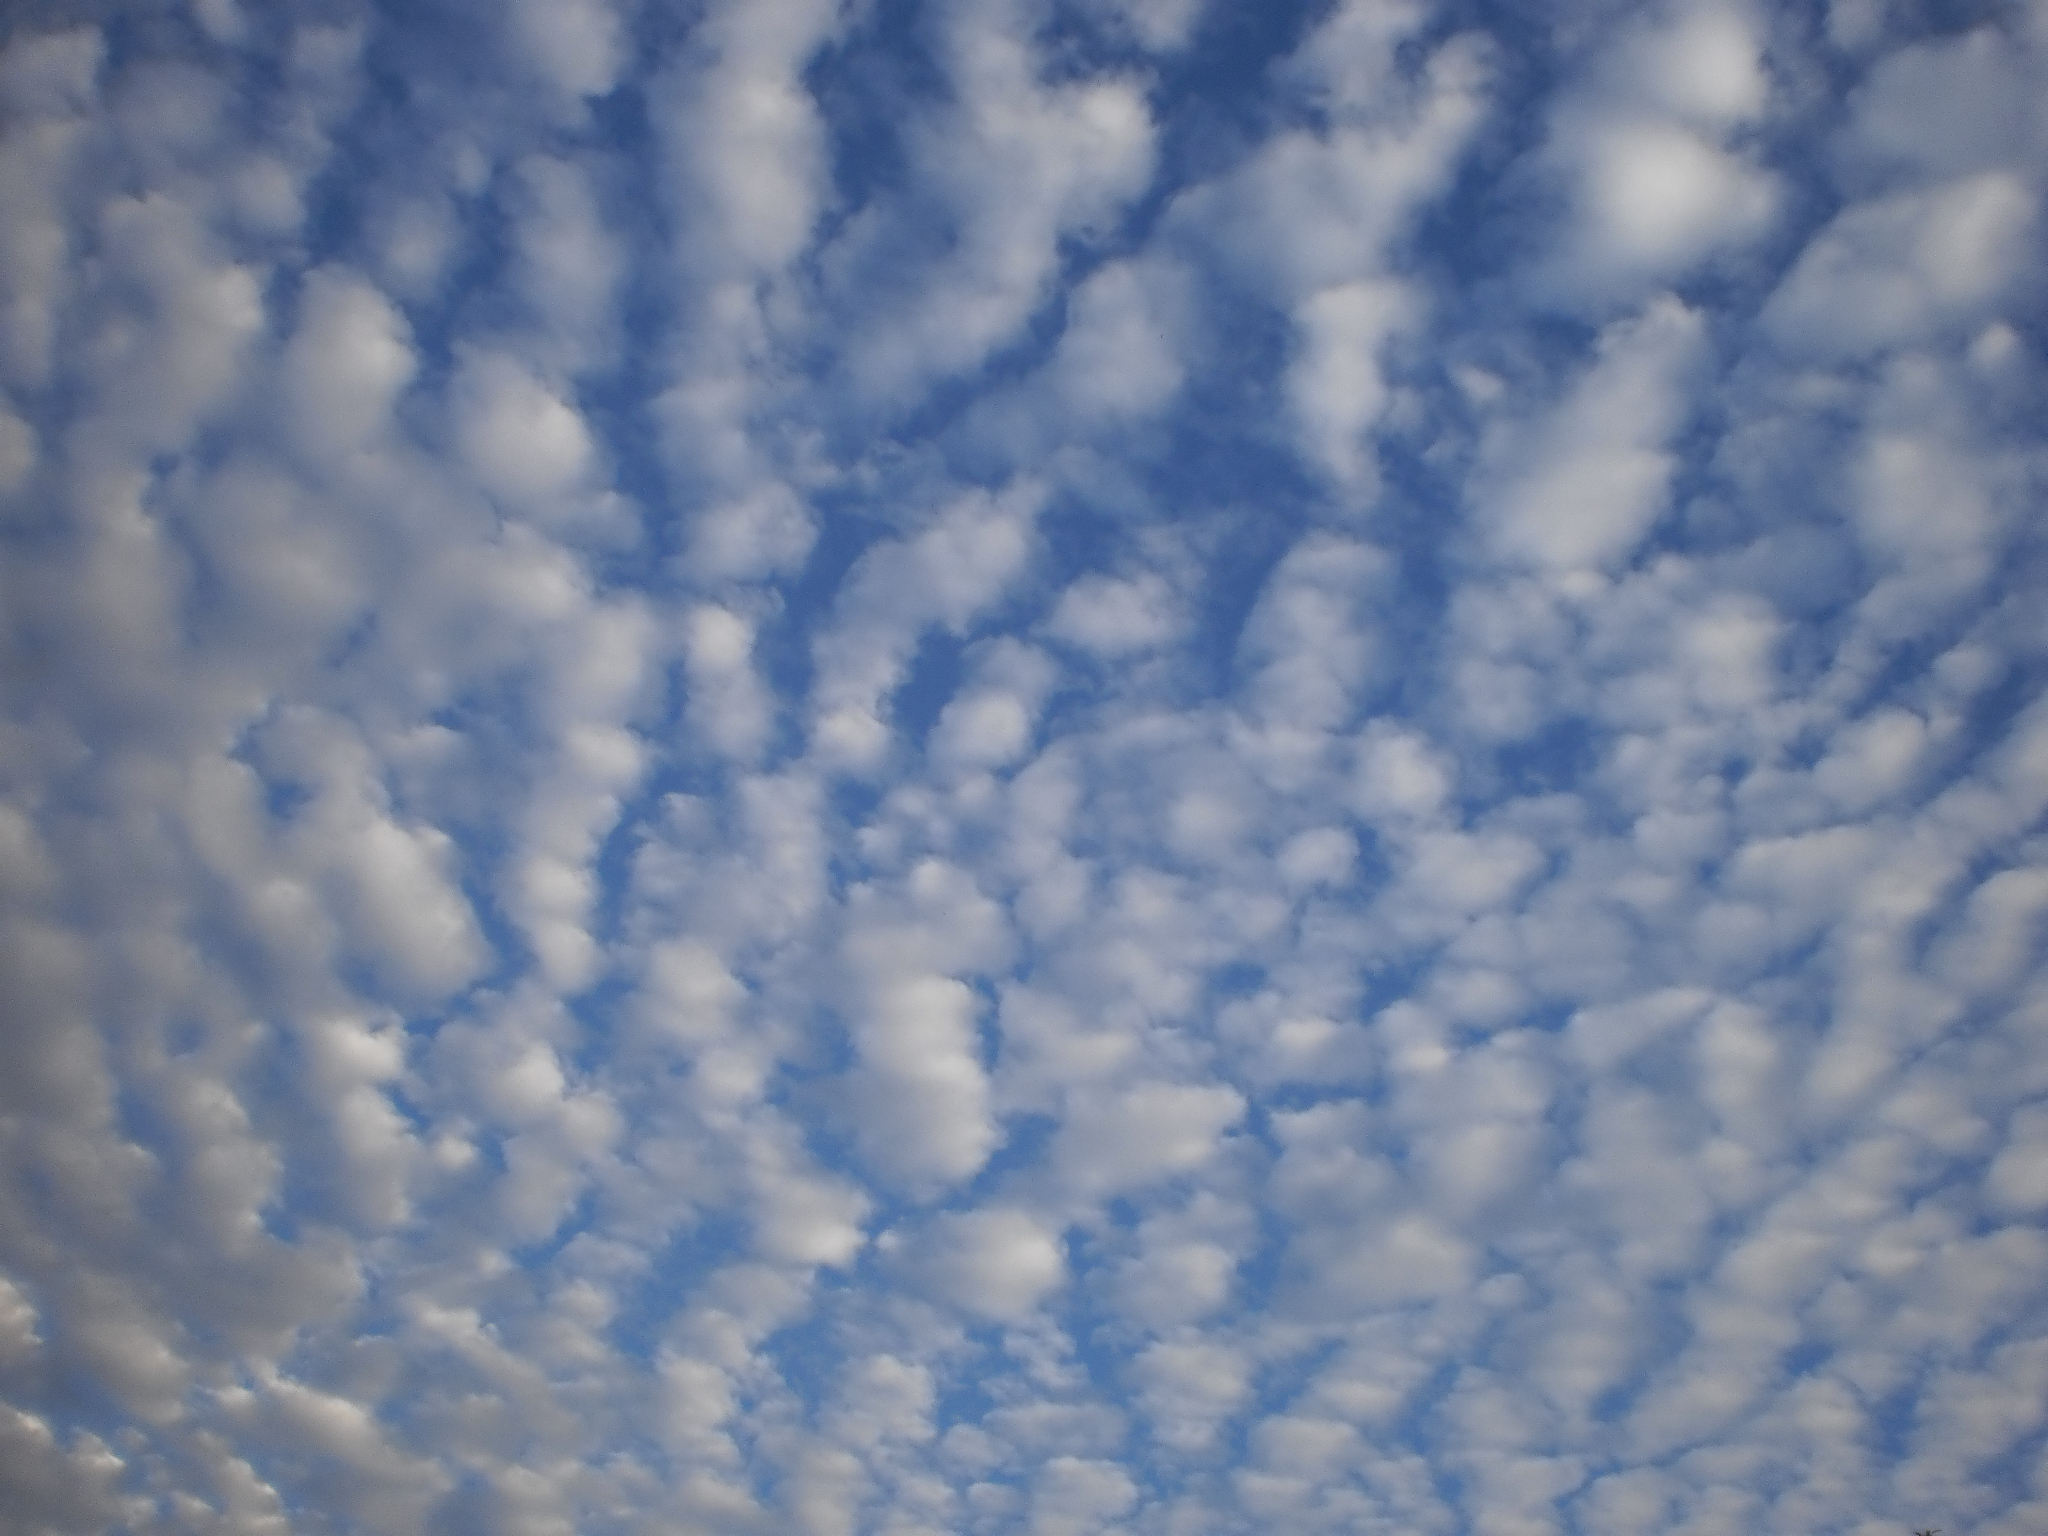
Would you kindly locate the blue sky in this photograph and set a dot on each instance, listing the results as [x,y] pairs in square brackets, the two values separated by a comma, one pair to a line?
[1113,768]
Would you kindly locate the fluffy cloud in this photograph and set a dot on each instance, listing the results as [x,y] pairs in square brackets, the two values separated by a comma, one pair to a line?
[1651,149]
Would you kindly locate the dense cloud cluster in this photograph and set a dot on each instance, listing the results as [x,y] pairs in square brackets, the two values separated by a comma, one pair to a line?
[1080,767]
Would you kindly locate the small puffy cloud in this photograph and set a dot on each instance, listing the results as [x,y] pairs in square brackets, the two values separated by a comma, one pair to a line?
[53,1486]
[575,45]
[1120,356]
[521,441]
[1320,856]
[920,1096]
[884,1398]
[1398,774]
[1706,64]
[1414,1257]
[1123,1141]
[1900,270]
[1660,196]
[1177,1282]
[727,702]
[746,139]
[951,572]
[17,452]
[1989,116]
[2018,1179]
[994,1263]
[761,532]
[1076,1497]
[1160,25]
[52,75]
[689,995]
[1336,383]
[1312,641]
[346,362]
[991,723]
[1114,617]
[1657,178]
[1018,164]
[1348,195]
[570,261]
[1190,1389]
[1586,486]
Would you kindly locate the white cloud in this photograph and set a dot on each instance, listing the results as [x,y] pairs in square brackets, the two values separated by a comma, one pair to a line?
[1398,774]
[573,44]
[1706,65]
[1989,114]
[522,442]
[1113,617]
[993,1263]
[727,702]
[395,899]
[2019,1174]
[1177,1282]
[1312,644]
[1902,269]
[1588,484]
[1346,197]
[1660,196]
[991,723]
[1119,356]
[1336,383]
[920,1094]
[1651,152]
[1189,1389]
[345,364]
[1160,25]
[1075,1497]
[55,1486]
[946,575]
[48,80]
[160,381]
[746,136]
[17,452]
[1112,1143]
[1017,165]
[1320,856]
[570,263]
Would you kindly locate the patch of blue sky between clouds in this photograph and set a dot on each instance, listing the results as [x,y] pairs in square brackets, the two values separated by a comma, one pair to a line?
[1112,768]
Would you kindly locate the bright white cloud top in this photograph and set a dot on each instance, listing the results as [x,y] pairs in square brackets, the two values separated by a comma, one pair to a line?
[1047,766]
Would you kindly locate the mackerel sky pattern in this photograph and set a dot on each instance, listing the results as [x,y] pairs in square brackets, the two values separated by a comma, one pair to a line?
[1066,767]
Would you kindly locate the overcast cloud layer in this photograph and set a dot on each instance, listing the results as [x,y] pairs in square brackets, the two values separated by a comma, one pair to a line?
[1047,766]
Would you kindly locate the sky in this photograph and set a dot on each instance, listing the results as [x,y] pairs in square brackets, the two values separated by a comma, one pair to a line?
[1065,767]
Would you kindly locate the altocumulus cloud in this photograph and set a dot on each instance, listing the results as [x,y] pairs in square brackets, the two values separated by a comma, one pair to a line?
[1061,766]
